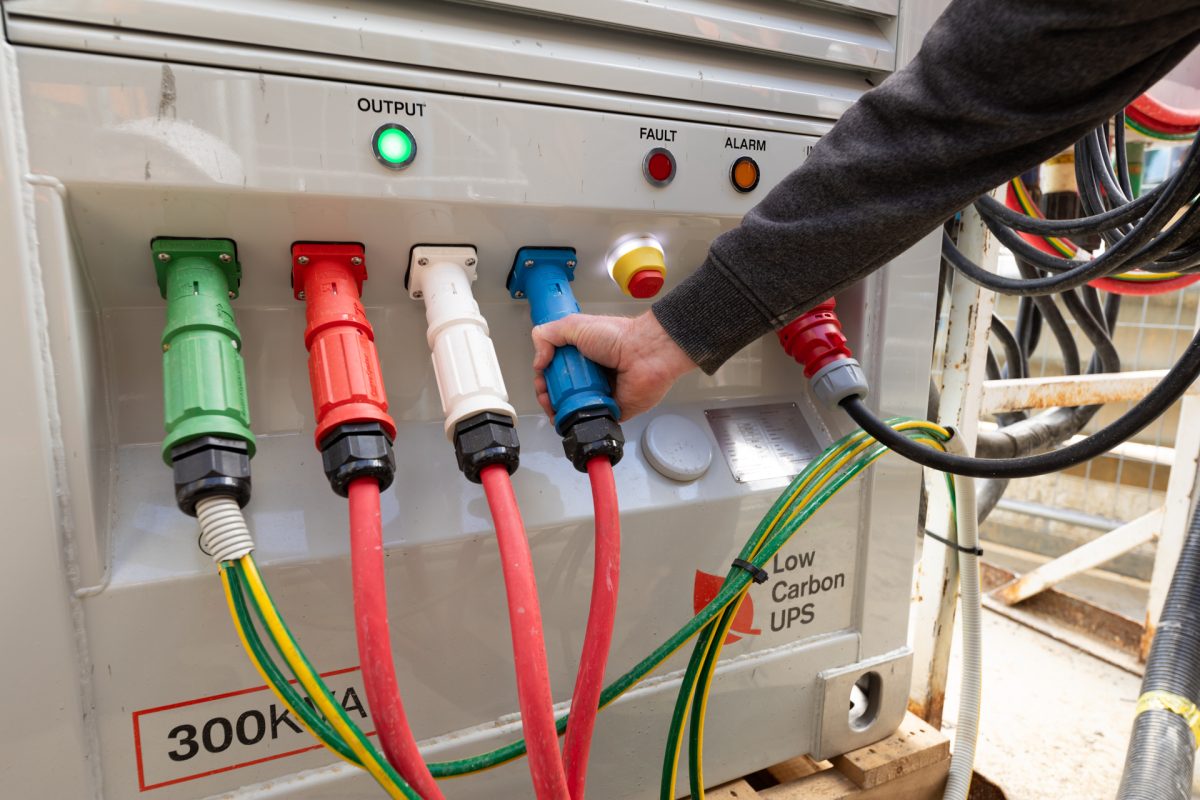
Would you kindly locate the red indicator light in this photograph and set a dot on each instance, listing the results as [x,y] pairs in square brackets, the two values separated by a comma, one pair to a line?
[659,166]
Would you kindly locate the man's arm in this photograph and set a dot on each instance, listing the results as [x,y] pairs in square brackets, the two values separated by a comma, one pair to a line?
[998,86]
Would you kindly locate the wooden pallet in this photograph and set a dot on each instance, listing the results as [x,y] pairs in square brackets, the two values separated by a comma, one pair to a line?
[911,764]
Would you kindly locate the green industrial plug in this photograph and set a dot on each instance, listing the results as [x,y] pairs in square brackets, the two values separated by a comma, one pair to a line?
[206,409]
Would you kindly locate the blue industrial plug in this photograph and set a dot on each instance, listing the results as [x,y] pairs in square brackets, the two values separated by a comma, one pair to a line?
[585,413]
[543,275]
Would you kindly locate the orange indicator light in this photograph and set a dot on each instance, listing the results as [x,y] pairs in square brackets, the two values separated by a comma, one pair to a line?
[744,174]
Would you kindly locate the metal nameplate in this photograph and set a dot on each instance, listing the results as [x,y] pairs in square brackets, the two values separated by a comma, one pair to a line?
[763,442]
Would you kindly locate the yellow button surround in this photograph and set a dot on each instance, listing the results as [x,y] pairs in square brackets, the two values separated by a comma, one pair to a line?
[633,256]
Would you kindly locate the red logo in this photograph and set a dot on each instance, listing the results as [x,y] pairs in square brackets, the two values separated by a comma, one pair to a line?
[706,588]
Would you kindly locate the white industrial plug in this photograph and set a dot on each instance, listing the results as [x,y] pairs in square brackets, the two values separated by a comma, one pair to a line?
[464,359]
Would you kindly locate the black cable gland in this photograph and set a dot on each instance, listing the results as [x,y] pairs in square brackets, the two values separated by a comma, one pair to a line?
[484,439]
[358,450]
[592,432]
[210,465]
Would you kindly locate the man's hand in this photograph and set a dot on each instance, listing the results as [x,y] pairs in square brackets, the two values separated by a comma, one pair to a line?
[645,358]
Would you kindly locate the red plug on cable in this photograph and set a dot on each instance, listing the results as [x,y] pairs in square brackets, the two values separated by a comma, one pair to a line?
[816,341]
[815,338]
[349,401]
[354,434]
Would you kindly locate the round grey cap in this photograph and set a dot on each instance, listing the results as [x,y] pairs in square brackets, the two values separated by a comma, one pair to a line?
[676,447]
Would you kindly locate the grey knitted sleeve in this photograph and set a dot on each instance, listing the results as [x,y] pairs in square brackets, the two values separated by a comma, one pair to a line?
[998,86]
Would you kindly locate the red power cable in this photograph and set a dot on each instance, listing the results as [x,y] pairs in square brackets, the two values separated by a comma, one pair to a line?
[1163,117]
[1143,288]
[601,616]
[375,641]
[529,647]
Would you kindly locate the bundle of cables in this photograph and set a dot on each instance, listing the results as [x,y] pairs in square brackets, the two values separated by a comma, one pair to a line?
[225,534]
[810,490]
[1150,239]
[1135,282]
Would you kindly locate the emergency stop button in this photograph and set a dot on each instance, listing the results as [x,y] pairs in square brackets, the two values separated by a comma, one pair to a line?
[638,266]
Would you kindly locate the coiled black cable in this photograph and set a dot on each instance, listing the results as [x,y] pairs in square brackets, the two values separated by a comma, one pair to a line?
[1145,232]
[1142,247]
[1153,237]
[1160,398]
[991,208]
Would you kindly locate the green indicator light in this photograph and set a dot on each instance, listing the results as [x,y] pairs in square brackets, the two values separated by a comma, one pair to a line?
[394,146]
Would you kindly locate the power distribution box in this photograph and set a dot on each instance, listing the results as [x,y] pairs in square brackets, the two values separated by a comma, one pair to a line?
[543,123]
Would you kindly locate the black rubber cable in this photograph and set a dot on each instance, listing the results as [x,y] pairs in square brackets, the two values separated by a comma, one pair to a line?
[1159,760]
[1047,429]
[1122,154]
[1112,307]
[1051,284]
[989,492]
[1091,300]
[1140,232]
[1149,239]
[1088,178]
[1097,166]
[1149,408]
[1088,187]
[1016,365]
[1020,436]
[1143,243]
[1057,324]
[1029,325]
[989,206]
[1146,241]
[1104,356]
[991,367]
[1094,161]
[1101,167]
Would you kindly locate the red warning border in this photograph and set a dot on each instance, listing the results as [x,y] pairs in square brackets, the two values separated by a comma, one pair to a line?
[137,735]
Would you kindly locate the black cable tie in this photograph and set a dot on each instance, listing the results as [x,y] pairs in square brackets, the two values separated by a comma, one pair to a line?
[757,573]
[976,551]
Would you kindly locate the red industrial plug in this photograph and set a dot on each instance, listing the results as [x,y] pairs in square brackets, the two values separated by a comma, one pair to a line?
[815,338]
[343,366]
[816,341]
[355,434]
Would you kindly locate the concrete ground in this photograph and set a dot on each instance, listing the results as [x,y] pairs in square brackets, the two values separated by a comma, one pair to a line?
[1055,721]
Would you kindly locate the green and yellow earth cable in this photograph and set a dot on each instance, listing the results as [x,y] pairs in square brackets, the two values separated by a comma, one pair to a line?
[701,667]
